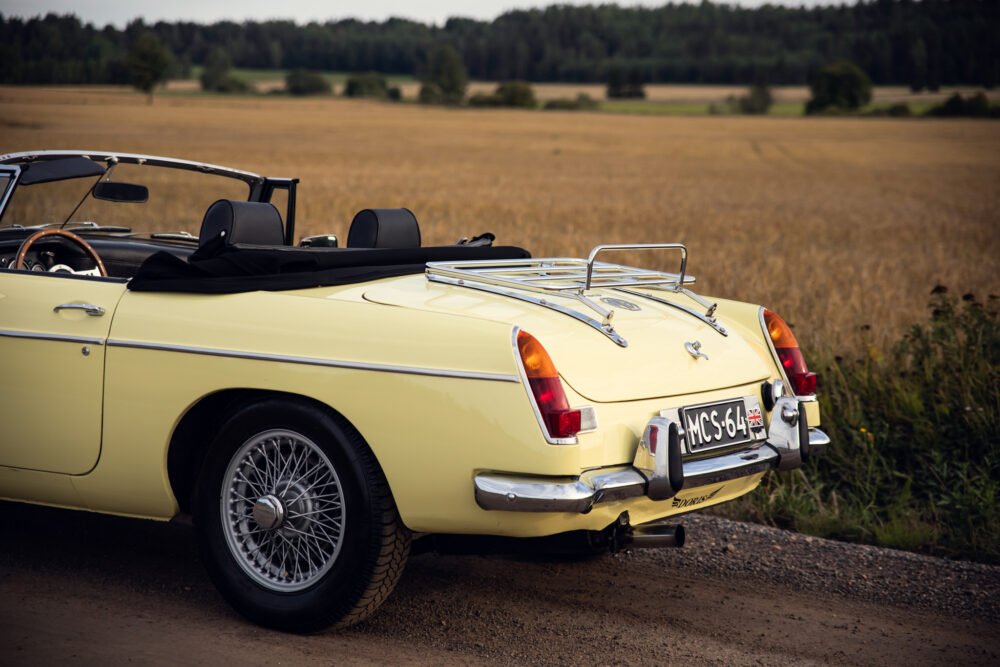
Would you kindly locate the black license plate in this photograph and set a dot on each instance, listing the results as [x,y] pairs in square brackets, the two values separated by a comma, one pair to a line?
[716,425]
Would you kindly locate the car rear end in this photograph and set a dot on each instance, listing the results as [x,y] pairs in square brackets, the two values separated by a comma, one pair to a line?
[646,458]
[662,404]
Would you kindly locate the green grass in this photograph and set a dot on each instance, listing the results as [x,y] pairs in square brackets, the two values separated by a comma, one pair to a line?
[650,108]
[915,458]
[786,109]
[653,108]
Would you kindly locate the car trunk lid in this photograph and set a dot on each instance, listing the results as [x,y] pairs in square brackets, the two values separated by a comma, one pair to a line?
[661,357]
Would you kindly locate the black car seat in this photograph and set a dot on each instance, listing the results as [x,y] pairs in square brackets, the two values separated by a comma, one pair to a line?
[384,228]
[231,221]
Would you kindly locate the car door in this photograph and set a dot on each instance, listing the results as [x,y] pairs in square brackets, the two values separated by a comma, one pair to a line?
[52,333]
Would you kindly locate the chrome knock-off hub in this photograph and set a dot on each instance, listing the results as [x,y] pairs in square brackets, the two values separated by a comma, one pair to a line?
[269,512]
[282,510]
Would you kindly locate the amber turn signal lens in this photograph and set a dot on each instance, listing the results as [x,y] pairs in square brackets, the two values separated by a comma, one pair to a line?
[786,347]
[780,333]
[537,363]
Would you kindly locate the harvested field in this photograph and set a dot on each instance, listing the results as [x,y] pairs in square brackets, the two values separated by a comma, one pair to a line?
[835,223]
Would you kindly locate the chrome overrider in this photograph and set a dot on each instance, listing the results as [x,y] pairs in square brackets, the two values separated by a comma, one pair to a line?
[658,471]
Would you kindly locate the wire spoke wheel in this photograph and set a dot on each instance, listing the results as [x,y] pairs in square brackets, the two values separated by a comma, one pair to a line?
[271,512]
[283,510]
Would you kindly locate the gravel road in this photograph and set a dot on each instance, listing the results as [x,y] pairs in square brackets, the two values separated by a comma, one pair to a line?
[85,589]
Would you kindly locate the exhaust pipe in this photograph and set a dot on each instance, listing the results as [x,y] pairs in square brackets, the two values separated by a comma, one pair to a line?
[655,536]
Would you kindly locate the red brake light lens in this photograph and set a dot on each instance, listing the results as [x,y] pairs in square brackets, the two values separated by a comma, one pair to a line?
[786,346]
[546,389]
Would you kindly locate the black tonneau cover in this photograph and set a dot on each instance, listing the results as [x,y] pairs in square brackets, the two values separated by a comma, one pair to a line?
[236,268]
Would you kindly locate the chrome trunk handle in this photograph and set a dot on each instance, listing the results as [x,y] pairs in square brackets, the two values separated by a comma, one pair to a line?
[89,308]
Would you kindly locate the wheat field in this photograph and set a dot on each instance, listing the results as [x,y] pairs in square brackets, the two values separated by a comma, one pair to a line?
[837,224]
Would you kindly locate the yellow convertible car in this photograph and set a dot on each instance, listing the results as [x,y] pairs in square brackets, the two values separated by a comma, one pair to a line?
[170,351]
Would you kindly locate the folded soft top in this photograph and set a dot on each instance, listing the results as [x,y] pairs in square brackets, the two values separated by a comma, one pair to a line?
[216,269]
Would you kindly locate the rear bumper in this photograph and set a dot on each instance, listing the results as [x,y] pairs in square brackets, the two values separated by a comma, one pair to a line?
[521,493]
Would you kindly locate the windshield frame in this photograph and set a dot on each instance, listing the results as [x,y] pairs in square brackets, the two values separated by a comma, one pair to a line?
[260,187]
[13,173]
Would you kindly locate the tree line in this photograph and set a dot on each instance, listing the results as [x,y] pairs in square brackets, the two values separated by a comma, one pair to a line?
[922,44]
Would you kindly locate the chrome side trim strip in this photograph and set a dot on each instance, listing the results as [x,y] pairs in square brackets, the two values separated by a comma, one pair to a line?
[690,311]
[538,301]
[57,338]
[313,361]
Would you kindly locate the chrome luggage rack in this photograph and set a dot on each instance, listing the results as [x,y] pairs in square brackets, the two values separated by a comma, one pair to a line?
[573,278]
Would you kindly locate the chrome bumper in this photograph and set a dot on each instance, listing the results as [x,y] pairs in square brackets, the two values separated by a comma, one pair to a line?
[785,449]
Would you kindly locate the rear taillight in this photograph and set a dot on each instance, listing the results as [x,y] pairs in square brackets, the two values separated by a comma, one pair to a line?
[786,347]
[546,390]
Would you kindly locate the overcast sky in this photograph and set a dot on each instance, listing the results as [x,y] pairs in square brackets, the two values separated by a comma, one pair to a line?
[302,11]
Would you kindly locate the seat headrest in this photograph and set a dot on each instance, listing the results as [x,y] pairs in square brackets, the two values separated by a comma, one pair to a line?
[256,223]
[384,228]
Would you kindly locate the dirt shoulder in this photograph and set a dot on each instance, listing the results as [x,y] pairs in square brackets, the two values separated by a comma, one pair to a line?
[86,589]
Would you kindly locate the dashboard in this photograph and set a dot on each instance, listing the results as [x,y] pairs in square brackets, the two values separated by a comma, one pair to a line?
[48,255]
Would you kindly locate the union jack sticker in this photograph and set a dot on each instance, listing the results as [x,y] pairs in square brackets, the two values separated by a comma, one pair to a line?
[754,418]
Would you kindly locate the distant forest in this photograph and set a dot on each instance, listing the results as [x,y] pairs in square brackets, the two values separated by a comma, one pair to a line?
[922,44]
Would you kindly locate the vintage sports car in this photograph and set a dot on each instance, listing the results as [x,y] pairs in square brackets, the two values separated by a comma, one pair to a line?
[316,409]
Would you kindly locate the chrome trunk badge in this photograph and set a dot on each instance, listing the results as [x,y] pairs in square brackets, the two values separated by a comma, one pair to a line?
[694,349]
[620,303]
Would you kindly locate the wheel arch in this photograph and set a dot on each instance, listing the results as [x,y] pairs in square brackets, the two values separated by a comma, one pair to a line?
[200,424]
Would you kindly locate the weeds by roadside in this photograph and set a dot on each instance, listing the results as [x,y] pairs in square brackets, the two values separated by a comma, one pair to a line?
[915,459]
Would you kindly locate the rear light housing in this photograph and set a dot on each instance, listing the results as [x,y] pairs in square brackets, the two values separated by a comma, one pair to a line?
[786,352]
[559,423]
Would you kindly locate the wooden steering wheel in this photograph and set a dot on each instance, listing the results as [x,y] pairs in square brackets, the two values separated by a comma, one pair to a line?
[22,252]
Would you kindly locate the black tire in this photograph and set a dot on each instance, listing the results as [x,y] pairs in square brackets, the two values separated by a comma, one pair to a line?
[356,577]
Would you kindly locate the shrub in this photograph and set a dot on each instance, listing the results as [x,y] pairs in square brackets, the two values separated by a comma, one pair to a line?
[625,83]
[898,110]
[841,86]
[583,102]
[430,93]
[217,78]
[367,84]
[516,94]
[973,106]
[915,455]
[304,82]
[394,94]
[757,101]
[444,77]
[483,100]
